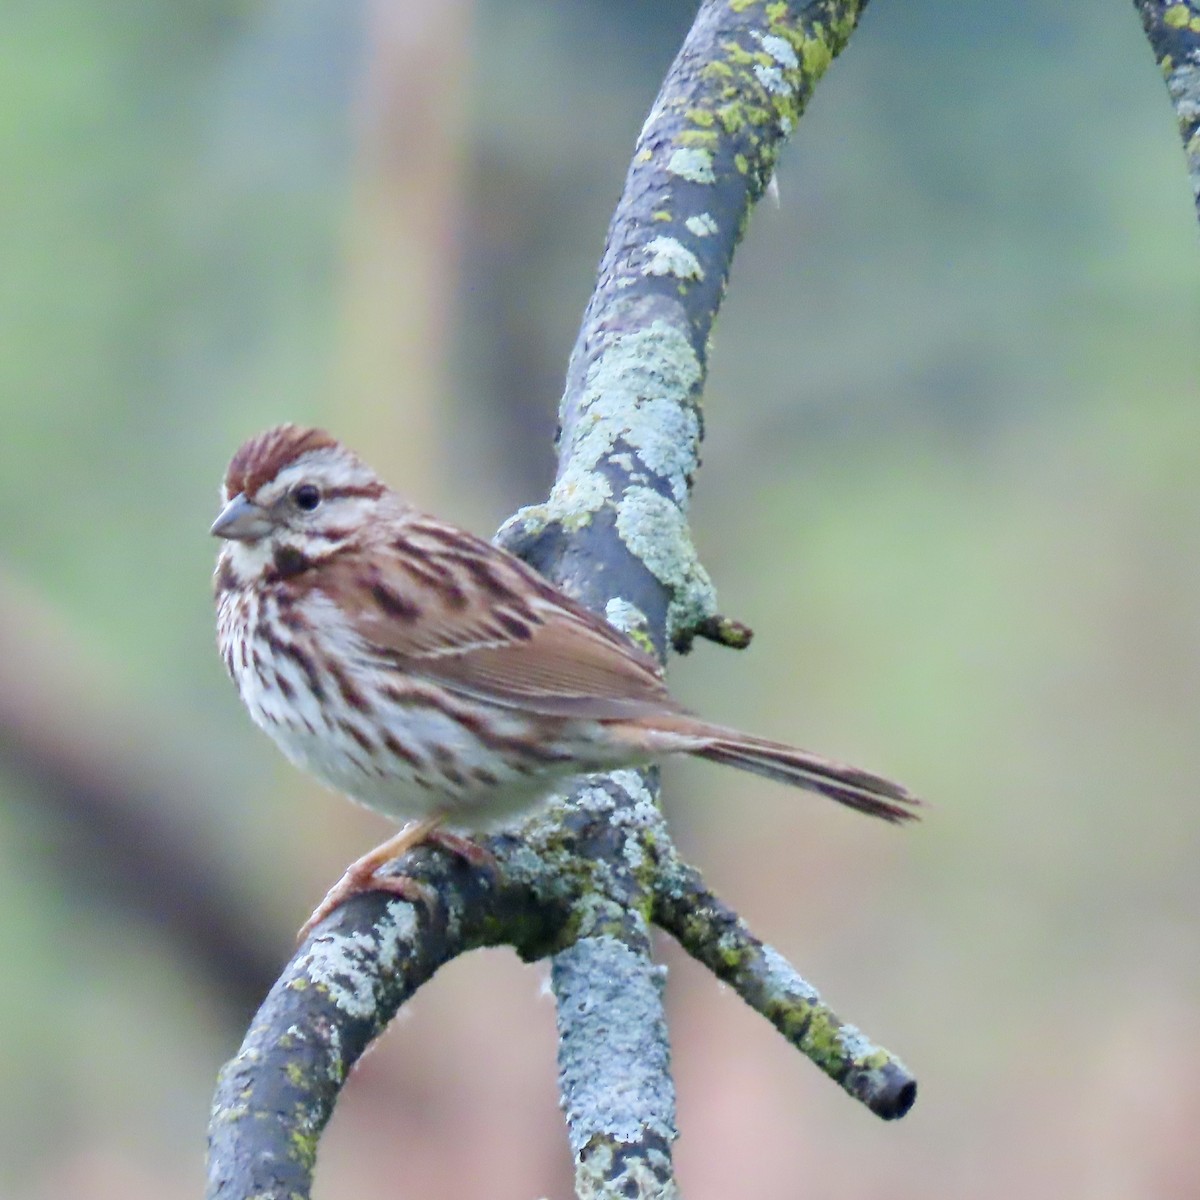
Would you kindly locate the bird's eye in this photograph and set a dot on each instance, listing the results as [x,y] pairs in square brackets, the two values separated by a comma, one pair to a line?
[306,497]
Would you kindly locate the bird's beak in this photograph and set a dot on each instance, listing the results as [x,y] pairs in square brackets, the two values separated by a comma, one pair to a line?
[241,520]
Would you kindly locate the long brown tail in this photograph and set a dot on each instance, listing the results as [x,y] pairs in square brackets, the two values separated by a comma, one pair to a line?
[847,785]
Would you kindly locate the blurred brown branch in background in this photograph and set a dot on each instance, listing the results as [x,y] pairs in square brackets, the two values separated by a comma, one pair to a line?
[402,252]
[127,804]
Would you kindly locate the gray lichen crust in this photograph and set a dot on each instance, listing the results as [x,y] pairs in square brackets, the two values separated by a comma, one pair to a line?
[613,1055]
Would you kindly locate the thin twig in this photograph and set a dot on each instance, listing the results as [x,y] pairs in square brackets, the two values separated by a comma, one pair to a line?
[712,933]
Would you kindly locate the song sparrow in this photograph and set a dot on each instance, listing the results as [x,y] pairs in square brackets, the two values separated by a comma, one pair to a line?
[428,674]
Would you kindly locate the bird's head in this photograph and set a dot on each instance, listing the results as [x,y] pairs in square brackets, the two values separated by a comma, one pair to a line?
[291,497]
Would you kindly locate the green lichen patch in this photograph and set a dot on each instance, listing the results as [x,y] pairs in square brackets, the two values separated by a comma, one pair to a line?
[302,1146]
[705,139]
[1178,16]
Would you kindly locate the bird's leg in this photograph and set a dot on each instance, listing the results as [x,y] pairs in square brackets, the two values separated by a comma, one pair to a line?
[363,875]
[470,852]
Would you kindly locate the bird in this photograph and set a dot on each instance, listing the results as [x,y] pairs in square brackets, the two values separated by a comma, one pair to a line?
[434,677]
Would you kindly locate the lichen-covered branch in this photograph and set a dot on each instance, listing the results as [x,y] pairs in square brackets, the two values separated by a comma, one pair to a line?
[614,1066]
[585,880]
[715,935]
[1173,27]
[614,528]
[340,991]
[615,1082]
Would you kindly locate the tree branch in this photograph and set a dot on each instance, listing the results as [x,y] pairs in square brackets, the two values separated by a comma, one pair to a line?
[1173,27]
[340,991]
[584,880]
[713,934]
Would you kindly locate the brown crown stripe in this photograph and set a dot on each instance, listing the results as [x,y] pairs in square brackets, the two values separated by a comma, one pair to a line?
[260,459]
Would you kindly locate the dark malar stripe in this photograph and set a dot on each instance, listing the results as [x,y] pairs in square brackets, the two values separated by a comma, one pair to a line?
[227,578]
[288,562]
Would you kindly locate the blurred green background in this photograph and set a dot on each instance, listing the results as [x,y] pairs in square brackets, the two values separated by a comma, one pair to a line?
[950,479]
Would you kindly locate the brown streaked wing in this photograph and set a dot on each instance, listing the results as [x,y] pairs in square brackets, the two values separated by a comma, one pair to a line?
[522,644]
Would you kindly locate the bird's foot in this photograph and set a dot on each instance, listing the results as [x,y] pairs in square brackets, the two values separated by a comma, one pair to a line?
[365,874]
